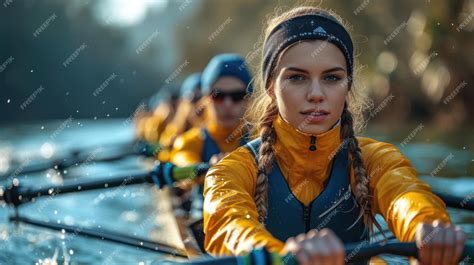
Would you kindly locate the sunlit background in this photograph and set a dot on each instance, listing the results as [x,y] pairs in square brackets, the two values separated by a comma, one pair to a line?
[73,73]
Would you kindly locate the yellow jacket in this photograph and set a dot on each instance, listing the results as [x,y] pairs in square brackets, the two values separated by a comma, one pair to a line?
[184,119]
[230,215]
[187,148]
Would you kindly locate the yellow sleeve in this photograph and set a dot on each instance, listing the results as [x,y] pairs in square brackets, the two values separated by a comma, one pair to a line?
[187,148]
[399,196]
[230,215]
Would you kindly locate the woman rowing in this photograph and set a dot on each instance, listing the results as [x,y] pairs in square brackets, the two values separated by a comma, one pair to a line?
[307,185]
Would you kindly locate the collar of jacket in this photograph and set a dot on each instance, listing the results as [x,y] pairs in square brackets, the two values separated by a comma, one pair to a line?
[222,135]
[305,158]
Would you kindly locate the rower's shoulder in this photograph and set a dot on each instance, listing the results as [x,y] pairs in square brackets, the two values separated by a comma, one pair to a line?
[240,161]
[372,148]
[191,137]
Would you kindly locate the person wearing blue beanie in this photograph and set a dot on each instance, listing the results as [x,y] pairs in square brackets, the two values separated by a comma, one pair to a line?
[191,87]
[227,64]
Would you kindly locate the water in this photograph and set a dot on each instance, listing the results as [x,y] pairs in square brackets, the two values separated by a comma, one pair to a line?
[129,210]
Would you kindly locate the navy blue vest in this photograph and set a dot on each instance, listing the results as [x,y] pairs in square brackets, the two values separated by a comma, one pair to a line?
[335,208]
[209,149]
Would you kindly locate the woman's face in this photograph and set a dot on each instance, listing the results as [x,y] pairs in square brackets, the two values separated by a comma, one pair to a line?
[227,101]
[310,85]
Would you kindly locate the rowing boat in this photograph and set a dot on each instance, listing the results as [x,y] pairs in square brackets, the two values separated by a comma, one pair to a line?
[173,225]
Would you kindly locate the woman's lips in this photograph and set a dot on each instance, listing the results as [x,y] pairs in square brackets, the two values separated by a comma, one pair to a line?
[315,117]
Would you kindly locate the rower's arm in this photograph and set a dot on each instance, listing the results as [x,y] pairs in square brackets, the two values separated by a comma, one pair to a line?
[230,215]
[402,199]
[187,148]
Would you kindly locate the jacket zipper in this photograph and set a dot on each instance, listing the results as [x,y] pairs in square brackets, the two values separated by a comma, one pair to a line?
[307,209]
[307,217]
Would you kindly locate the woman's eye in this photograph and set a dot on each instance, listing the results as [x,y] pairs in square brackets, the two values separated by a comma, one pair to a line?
[296,78]
[332,78]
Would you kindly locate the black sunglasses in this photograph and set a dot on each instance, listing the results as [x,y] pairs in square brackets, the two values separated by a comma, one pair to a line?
[236,96]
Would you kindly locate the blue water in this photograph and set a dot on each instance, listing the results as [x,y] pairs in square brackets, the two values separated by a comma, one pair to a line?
[129,210]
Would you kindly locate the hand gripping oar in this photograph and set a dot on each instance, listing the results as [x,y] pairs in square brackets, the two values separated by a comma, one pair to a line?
[354,252]
[162,175]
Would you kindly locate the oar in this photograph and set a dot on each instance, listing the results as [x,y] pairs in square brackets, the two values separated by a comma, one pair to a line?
[162,175]
[354,252]
[105,235]
[452,201]
[76,157]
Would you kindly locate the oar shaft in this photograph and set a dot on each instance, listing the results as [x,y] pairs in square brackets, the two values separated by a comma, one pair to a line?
[137,178]
[464,203]
[17,195]
[106,235]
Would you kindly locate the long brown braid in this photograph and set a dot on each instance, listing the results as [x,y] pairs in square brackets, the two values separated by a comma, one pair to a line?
[265,160]
[263,111]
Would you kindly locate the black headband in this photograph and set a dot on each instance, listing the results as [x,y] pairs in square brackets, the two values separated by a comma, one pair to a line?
[316,27]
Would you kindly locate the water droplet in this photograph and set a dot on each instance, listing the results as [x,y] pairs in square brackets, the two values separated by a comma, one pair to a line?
[50,191]
[56,212]
[31,71]
[141,243]
[71,252]
[42,127]
[463,148]
[79,187]
[63,231]
[77,111]
[8,101]
[116,108]
[106,185]
[95,118]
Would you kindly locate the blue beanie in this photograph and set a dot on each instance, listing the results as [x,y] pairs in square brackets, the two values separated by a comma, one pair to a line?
[191,84]
[227,64]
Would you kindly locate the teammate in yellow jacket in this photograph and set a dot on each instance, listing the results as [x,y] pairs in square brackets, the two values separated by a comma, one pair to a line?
[307,184]
[225,87]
